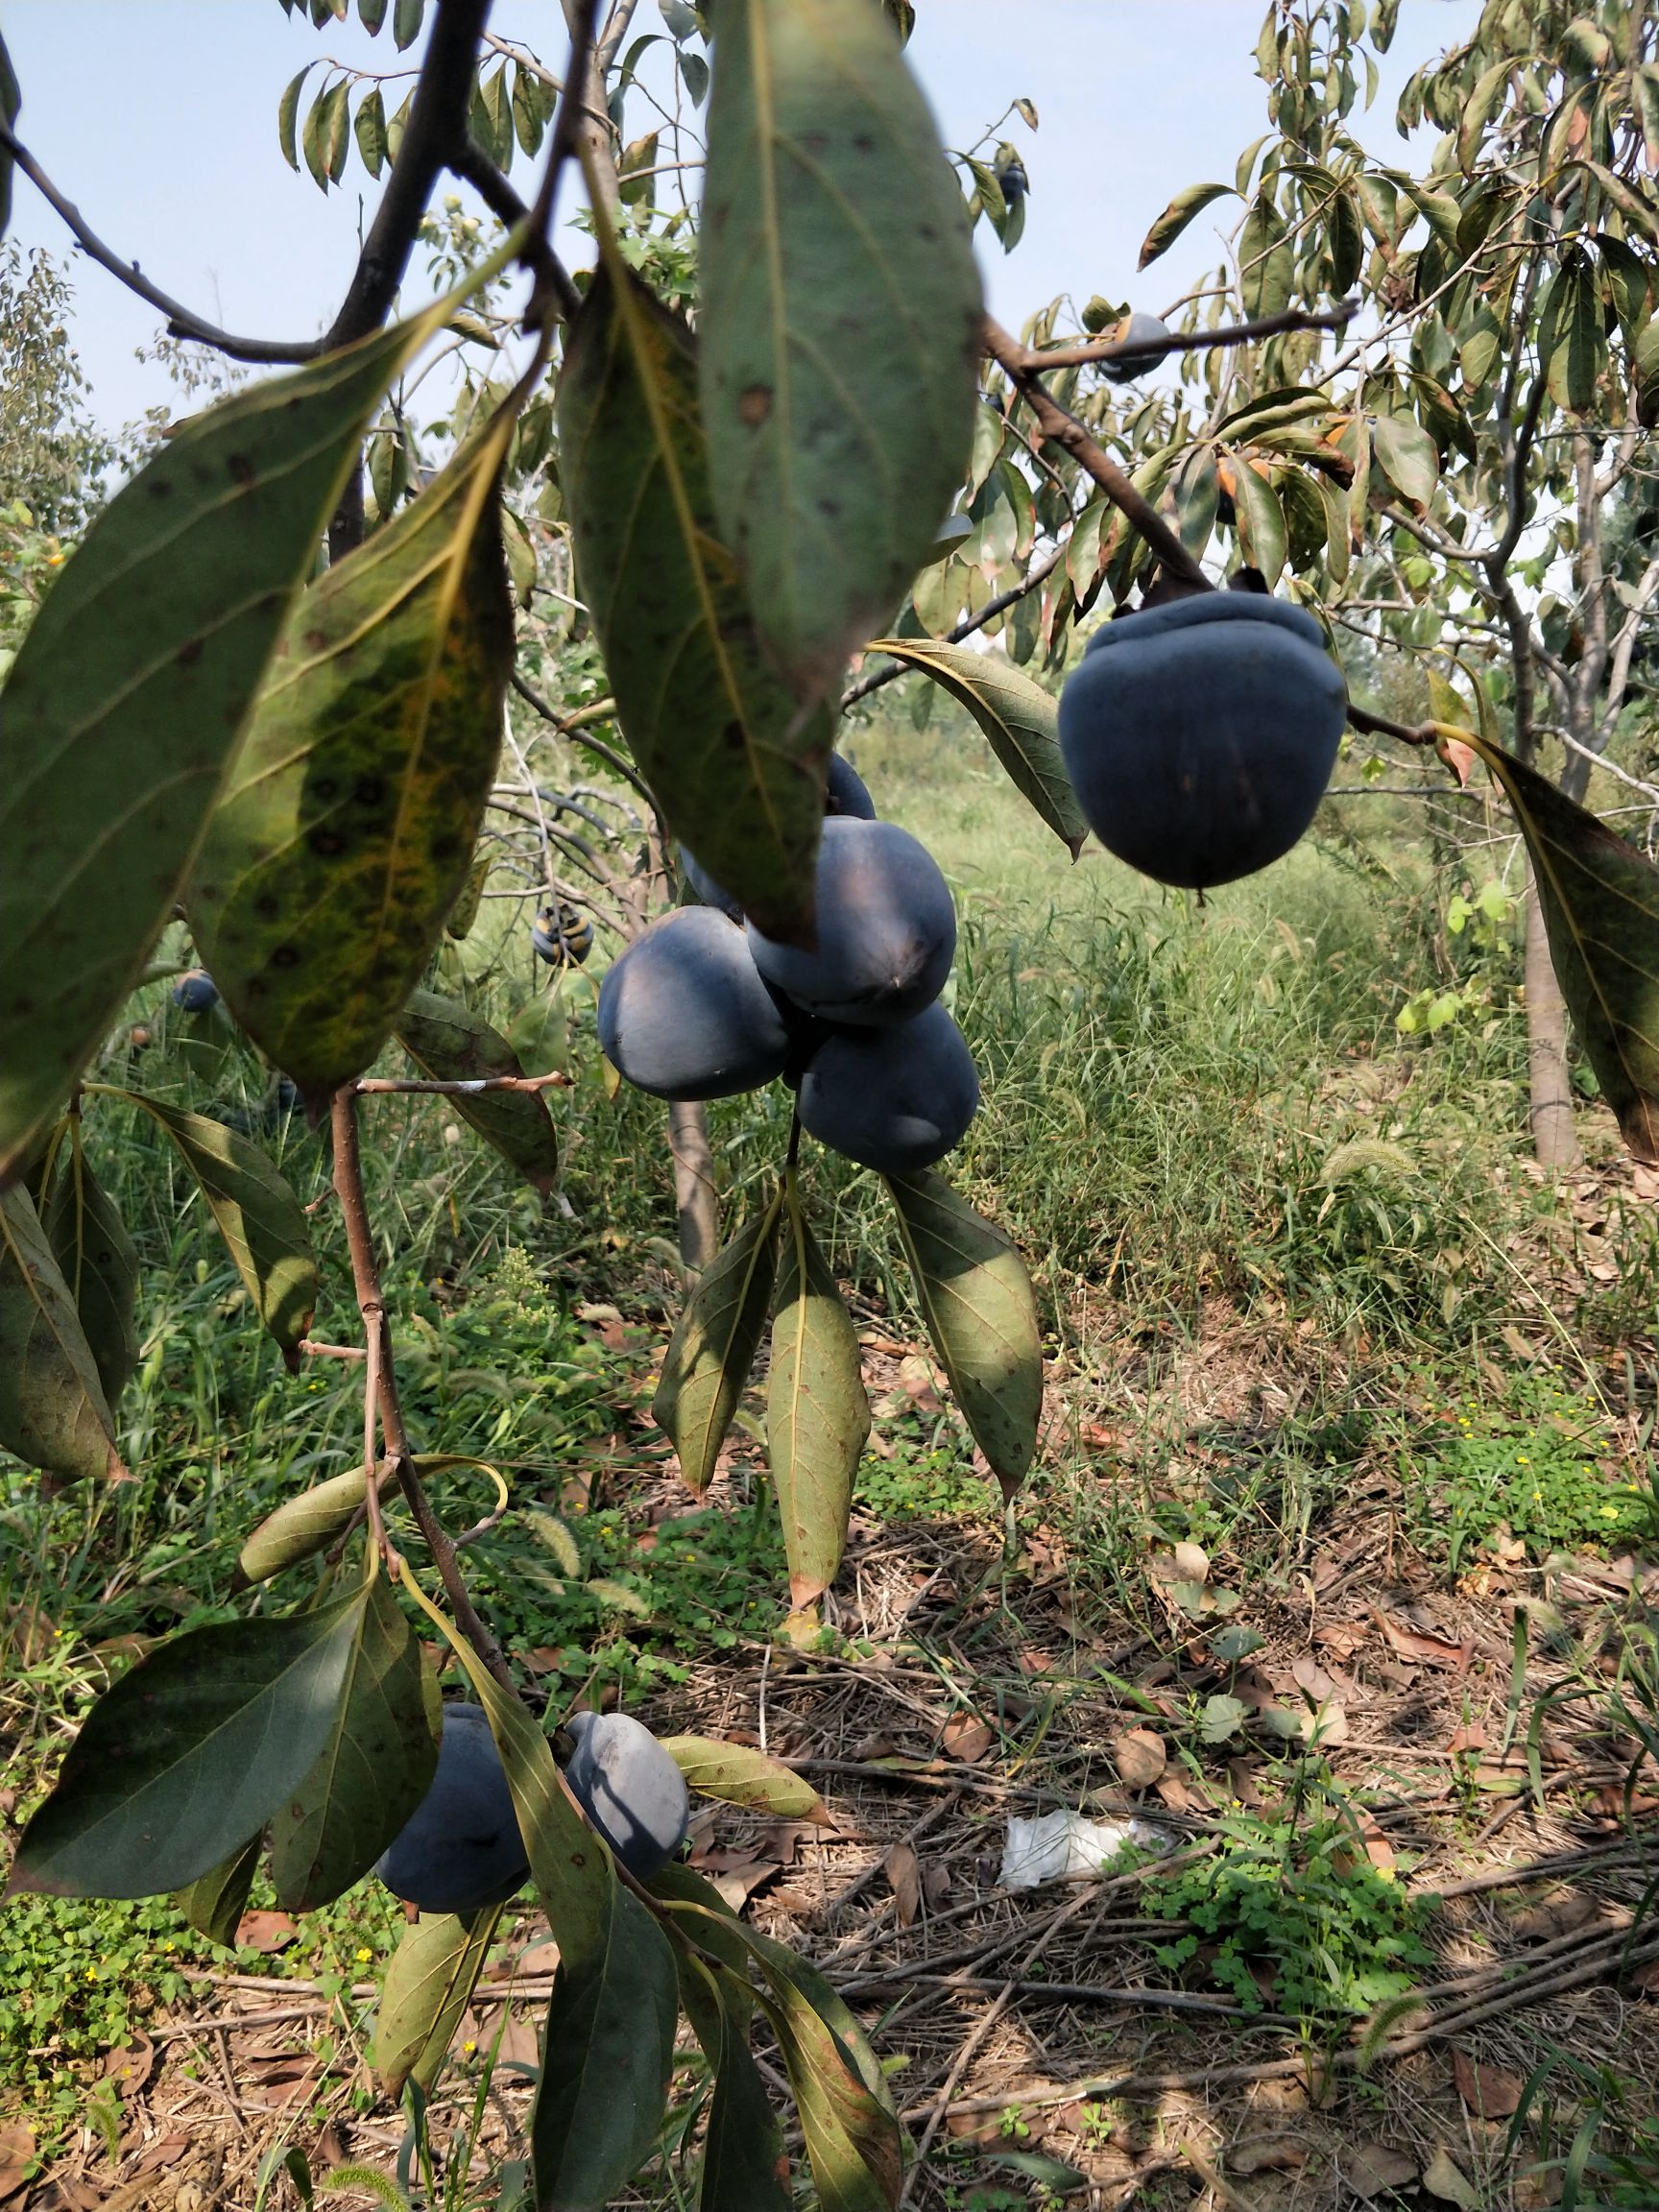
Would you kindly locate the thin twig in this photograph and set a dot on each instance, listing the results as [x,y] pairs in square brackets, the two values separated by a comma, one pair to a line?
[382,1086]
[966,628]
[1153,349]
[1063,429]
[366,1279]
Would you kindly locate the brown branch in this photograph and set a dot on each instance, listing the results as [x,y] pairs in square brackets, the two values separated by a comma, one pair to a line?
[182,322]
[372,1305]
[1065,430]
[380,1086]
[966,628]
[1153,349]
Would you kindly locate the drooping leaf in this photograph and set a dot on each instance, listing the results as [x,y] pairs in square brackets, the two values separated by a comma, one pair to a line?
[407,23]
[288,115]
[981,1314]
[428,1986]
[1262,538]
[853,2140]
[603,2087]
[193,1750]
[216,1900]
[99,1266]
[53,1411]
[129,693]
[263,1224]
[1572,334]
[1266,260]
[1644,89]
[610,2036]
[1406,455]
[370,1774]
[450,1044]
[839,322]
[1175,218]
[459,922]
[369,129]
[817,1415]
[1017,716]
[745,2167]
[1601,902]
[735,765]
[713,1346]
[740,1776]
[350,819]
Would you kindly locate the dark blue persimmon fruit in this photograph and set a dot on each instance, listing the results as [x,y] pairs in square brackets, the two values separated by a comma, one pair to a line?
[895,1100]
[461,1848]
[684,1013]
[196,992]
[1199,735]
[844,793]
[1136,329]
[886,928]
[629,1788]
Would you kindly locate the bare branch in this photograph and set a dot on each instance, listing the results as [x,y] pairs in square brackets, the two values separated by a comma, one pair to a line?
[1152,350]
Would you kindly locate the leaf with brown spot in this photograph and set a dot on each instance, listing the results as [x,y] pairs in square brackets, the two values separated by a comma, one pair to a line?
[348,825]
[736,765]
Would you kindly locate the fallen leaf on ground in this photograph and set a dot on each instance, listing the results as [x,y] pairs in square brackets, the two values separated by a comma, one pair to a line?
[132,2066]
[1443,2179]
[1488,2090]
[1139,1757]
[267,1931]
[966,1737]
[520,2044]
[1267,2155]
[1174,1792]
[1373,2170]
[16,2156]
[1429,1650]
[1553,1916]
[1312,1680]
[736,1884]
[904,1874]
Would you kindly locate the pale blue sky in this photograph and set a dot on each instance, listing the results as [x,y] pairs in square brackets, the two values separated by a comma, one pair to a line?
[158,118]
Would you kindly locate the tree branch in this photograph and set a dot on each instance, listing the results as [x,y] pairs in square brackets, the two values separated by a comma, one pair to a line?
[182,322]
[966,628]
[1065,430]
[1153,349]
[372,1305]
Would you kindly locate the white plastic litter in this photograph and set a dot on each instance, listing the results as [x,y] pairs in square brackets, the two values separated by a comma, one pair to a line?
[1056,1844]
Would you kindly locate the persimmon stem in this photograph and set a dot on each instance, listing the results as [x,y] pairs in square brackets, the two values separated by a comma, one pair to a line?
[353,1200]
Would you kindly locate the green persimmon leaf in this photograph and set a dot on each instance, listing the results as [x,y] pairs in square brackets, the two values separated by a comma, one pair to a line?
[1572,332]
[733,763]
[428,1986]
[606,2058]
[53,1414]
[817,1415]
[1601,902]
[347,826]
[1266,260]
[1406,455]
[1262,537]
[192,1751]
[981,1314]
[301,1527]
[1175,218]
[610,2037]
[1017,716]
[839,324]
[288,116]
[216,1900]
[740,1776]
[713,1346]
[450,1044]
[369,130]
[371,1773]
[853,2140]
[745,2166]
[263,1224]
[100,1267]
[127,700]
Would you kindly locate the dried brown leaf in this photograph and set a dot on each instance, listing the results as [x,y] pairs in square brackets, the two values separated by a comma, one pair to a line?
[903,1870]
[1140,1756]
[1374,2169]
[1488,2090]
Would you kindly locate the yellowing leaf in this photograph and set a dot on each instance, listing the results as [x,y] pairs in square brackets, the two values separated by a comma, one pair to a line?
[817,1415]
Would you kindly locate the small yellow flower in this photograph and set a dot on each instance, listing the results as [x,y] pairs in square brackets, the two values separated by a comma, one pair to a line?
[91,1972]
[364,1954]
[1522,1460]
[1609,1512]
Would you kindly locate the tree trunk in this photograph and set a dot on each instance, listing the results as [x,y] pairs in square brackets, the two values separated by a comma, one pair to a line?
[694,1186]
[1554,1139]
